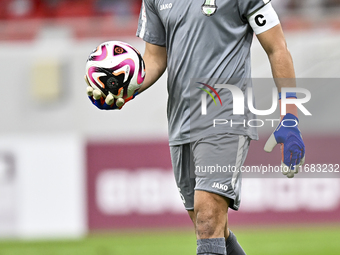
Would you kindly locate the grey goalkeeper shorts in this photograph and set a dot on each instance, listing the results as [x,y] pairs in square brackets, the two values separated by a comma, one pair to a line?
[210,164]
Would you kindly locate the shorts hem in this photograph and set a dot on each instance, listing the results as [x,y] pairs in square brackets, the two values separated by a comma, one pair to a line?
[232,206]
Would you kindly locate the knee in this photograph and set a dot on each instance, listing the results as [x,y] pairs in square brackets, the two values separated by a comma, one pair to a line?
[210,219]
[207,224]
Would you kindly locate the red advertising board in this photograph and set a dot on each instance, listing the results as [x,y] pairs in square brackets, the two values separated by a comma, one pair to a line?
[132,185]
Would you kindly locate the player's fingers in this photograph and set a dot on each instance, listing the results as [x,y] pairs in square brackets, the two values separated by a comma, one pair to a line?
[295,160]
[291,174]
[89,91]
[288,157]
[287,171]
[120,103]
[109,100]
[297,164]
[303,160]
[97,94]
[285,168]
[106,106]
[98,99]
[270,144]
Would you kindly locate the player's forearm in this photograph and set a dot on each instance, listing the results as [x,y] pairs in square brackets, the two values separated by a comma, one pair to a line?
[282,68]
[274,43]
[153,71]
[283,73]
[155,60]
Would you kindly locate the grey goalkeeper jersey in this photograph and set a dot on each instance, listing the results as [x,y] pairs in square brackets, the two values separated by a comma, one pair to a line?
[207,42]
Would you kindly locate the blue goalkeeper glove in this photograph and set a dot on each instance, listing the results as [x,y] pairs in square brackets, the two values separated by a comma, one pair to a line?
[110,102]
[292,146]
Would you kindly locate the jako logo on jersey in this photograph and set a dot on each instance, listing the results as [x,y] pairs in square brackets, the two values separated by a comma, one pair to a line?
[165,6]
[213,90]
[209,7]
[220,186]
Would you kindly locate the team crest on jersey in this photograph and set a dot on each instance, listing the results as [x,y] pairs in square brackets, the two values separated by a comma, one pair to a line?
[209,7]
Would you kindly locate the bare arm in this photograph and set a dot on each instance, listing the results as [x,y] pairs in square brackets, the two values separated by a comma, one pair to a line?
[274,43]
[155,59]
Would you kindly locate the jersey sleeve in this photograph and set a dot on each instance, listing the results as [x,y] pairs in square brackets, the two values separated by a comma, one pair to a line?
[150,26]
[248,7]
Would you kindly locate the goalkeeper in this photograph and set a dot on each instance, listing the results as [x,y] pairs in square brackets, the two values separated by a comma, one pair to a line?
[212,39]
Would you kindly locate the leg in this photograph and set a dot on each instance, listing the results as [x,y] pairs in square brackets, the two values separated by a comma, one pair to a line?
[210,219]
[232,245]
[202,197]
[181,161]
[216,190]
[211,213]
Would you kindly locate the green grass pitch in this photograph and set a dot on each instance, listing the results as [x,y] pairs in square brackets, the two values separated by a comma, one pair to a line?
[274,241]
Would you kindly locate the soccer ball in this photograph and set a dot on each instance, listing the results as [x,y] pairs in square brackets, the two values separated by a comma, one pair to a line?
[115,68]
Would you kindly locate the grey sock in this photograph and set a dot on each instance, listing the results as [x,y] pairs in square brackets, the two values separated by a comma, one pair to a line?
[233,247]
[211,246]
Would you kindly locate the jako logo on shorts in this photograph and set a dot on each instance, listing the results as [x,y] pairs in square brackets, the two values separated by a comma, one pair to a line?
[220,186]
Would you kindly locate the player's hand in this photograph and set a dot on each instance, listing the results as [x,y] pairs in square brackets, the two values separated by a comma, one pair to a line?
[108,103]
[292,146]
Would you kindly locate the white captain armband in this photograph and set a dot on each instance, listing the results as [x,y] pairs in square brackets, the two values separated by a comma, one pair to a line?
[263,19]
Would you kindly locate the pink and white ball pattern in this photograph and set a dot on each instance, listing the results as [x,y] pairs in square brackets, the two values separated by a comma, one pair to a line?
[115,57]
